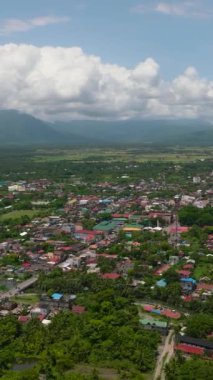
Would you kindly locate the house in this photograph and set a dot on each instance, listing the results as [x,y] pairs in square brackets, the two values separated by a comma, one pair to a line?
[173,260]
[110,276]
[161,311]
[88,236]
[188,285]
[38,312]
[161,283]
[189,350]
[77,309]
[162,269]
[23,318]
[204,344]
[184,273]
[57,296]
[132,227]
[178,229]
[155,324]
[106,227]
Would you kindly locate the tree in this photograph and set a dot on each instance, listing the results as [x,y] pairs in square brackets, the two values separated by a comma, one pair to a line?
[199,325]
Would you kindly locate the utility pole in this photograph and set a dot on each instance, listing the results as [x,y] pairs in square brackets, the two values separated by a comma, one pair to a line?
[176,208]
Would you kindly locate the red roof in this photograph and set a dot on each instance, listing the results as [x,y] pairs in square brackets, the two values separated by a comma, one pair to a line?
[117,215]
[90,232]
[179,230]
[187,298]
[155,214]
[90,237]
[41,317]
[77,309]
[85,232]
[203,286]
[26,265]
[162,269]
[148,307]
[66,248]
[189,349]
[111,276]
[185,273]
[171,314]
[188,266]
[23,318]
[91,260]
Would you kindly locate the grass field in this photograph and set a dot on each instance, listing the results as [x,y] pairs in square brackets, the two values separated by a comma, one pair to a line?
[18,214]
[126,155]
[29,299]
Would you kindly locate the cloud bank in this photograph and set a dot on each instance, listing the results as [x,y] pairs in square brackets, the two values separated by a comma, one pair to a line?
[56,83]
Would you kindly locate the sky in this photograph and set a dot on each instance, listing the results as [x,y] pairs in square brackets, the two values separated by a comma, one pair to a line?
[110,59]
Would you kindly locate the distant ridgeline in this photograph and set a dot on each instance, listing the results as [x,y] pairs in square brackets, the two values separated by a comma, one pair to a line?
[22,129]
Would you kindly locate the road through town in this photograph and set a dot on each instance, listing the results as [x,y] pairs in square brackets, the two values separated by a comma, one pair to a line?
[19,288]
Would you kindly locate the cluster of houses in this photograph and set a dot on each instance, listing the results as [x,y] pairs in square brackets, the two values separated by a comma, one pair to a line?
[80,233]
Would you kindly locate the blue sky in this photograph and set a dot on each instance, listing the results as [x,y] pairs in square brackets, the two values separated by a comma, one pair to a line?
[107,59]
[122,31]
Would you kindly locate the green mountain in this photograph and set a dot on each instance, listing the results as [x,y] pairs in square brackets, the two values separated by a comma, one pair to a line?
[24,130]
[166,132]
[20,129]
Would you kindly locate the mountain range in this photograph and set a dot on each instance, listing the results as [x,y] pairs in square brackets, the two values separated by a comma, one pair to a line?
[20,129]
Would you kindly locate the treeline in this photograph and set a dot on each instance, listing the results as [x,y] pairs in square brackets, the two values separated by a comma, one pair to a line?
[191,215]
[192,369]
[107,335]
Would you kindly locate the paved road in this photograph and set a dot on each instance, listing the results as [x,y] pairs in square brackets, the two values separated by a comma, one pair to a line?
[165,356]
[20,287]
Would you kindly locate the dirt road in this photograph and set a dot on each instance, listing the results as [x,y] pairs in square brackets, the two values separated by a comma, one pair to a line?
[165,357]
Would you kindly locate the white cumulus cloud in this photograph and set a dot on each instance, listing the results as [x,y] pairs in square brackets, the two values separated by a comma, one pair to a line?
[57,83]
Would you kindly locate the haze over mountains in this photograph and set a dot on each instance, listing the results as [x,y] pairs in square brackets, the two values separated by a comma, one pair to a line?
[25,130]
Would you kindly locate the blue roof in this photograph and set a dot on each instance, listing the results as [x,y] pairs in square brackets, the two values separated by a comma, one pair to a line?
[161,283]
[156,311]
[188,280]
[57,296]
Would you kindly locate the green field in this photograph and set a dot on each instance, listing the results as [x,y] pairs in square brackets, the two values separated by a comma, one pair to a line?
[124,154]
[28,299]
[18,214]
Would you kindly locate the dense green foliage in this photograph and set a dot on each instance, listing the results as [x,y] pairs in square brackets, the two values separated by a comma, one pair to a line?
[193,369]
[107,334]
[191,215]
[200,325]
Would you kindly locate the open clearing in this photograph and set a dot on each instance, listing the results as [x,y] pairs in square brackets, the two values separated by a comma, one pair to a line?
[18,214]
[26,298]
[126,155]
[104,373]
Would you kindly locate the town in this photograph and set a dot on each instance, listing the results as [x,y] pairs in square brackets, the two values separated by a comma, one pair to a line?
[108,250]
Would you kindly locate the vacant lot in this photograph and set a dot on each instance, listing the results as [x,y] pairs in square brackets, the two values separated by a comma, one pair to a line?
[18,214]
[28,299]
